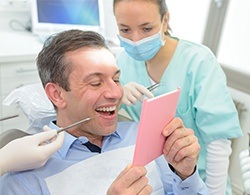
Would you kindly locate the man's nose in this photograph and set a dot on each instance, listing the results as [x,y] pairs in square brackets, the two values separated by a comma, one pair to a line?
[114,90]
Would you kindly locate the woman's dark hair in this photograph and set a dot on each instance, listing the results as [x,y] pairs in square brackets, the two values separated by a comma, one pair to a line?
[160,3]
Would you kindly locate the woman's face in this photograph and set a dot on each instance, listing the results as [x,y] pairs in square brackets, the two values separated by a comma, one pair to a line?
[137,19]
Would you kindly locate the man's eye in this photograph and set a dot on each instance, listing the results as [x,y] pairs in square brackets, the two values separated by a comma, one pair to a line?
[116,80]
[96,84]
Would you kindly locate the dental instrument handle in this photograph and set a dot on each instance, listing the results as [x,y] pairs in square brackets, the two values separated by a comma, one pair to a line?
[74,124]
[154,86]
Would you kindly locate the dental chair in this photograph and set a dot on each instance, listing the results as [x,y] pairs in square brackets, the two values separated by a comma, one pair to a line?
[10,135]
[38,109]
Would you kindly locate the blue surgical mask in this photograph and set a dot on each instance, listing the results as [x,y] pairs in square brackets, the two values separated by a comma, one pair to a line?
[144,49]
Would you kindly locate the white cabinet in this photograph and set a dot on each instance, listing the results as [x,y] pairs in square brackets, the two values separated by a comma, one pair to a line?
[18,54]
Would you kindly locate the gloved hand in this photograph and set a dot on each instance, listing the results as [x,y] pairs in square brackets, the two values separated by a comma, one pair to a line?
[133,91]
[29,152]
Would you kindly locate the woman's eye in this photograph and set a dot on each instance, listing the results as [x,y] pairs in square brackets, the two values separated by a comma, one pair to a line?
[147,29]
[124,30]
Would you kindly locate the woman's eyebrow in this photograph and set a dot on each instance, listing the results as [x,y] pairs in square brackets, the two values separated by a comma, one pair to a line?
[145,24]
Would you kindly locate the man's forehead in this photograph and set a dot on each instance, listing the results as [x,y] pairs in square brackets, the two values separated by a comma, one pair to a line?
[92,57]
[103,74]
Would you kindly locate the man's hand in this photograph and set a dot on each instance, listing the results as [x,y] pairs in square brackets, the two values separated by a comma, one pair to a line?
[132,180]
[181,148]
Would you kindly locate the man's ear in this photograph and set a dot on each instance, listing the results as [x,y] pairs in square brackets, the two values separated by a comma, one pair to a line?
[55,94]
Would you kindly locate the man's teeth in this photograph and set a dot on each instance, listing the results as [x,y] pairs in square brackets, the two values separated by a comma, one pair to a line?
[107,109]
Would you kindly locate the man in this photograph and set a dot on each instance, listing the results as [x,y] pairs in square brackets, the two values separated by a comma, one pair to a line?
[81,78]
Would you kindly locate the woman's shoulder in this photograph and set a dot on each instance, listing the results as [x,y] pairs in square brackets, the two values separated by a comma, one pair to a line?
[193,53]
[194,57]
[194,47]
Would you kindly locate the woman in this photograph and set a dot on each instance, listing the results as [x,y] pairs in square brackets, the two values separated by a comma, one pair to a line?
[205,105]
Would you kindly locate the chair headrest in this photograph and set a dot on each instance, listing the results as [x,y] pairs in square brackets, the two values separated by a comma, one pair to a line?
[35,105]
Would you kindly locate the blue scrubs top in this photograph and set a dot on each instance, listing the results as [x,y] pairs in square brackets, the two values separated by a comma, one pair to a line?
[205,104]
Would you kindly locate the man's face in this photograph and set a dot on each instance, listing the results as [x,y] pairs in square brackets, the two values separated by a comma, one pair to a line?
[95,91]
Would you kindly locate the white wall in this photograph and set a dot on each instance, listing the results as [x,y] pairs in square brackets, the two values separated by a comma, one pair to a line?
[234,47]
[18,11]
[109,20]
[188,18]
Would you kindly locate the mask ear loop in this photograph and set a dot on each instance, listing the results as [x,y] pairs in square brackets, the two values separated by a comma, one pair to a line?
[165,19]
[163,38]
